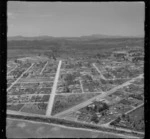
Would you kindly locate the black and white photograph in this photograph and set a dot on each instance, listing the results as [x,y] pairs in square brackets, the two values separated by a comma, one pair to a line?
[75,69]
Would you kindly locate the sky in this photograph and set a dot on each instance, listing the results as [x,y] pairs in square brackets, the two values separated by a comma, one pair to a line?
[73,19]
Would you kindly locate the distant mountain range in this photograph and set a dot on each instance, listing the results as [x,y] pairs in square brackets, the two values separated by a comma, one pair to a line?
[29,38]
[110,36]
[89,37]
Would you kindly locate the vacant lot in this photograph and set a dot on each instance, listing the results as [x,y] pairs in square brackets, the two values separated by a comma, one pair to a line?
[138,114]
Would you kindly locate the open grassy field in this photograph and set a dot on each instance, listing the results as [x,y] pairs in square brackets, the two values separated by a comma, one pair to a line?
[62,102]
[138,114]
[27,129]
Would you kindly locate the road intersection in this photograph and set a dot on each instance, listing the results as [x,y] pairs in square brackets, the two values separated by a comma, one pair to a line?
[15,82]
[101,96]
[81,105]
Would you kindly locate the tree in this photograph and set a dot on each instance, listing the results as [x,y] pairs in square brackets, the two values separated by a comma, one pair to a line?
[95,118]
[105,106]
[55,52]
[103,113]
[16,61]
[128,118]
[118,120]
[95,108]
[66,89]
[123,116]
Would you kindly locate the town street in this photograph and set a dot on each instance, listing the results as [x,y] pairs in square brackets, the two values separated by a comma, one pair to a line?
[101,75]
[51,100]
[12,70]
[19,77]
[44,68]
[101,96]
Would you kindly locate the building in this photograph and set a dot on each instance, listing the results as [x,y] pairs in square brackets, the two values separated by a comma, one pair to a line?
[120,54]
[137,59]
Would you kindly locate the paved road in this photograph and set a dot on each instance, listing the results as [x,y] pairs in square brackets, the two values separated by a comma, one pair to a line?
[36,81]
[81,86]
[101,75]
[23,113]
[44,67]
[114,78]
[125,113]
[31,115]
[51,100]
[65,94]
[81,105]
[12,69]
[122,129]
[19,77]
[26,103]
[73,128]
[135,108]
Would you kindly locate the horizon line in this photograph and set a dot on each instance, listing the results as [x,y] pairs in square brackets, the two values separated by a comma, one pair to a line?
[78,36]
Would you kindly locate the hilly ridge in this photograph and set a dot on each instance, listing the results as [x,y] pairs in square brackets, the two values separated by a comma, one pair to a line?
[23,46]
[93,36]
